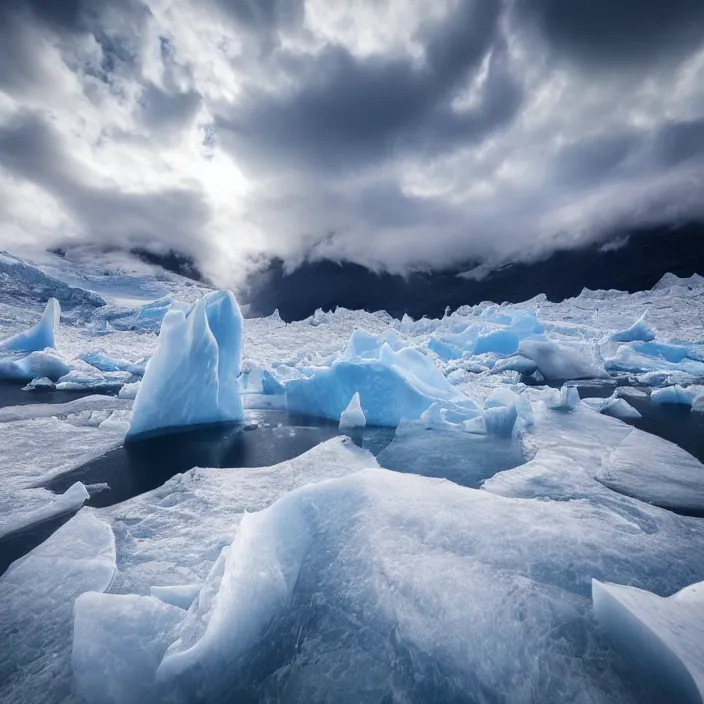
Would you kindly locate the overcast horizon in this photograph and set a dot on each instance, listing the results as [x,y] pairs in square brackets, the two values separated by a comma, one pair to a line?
[391,134]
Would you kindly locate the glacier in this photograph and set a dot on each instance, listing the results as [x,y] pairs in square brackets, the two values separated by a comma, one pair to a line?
[475,556]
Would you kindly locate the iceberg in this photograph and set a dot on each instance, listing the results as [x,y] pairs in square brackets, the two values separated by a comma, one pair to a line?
[399,384]
[673,394]
[664,636]
[566,399]
[559,362]
[353,415]
[192,377]
[39,336]
[37,364]
[41,383]
[614,406]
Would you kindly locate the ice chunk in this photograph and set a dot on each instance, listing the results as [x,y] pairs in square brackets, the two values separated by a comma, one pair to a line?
[365,345]
[673,394]
[192,377]
[620,408]
[515,363]
[116,422]
[353,415]
[72,499]
[129,391]
[559,361]
[42,383]
[506,412]
[663,636]
[36,364]
[655,470]
[638,331]
[614,406]
[105,363]
[651,359]
[37,595]
[118,642]
[566,399]
[38,337]
[181,595]
[86,377]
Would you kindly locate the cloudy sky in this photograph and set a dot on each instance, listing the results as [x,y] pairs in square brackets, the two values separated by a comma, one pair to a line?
[395,133]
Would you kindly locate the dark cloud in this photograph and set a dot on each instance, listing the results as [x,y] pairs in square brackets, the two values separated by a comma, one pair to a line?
[264,16]
[345,111]
[30,149]
[590,160]
[499,128]
[165,110]
[678,142]
[605,32]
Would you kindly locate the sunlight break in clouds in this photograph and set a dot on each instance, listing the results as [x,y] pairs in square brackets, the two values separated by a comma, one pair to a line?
[398,134]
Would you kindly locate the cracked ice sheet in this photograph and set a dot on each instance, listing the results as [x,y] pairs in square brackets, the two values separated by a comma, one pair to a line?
[584,454]
[35,449]
[385,584]
[174,534]
[37,594]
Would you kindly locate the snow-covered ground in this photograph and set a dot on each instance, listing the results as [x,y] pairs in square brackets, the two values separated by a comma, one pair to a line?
[456,566]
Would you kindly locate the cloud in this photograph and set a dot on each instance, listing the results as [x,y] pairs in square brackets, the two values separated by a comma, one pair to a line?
[395,134]
[31,149]
[606,34]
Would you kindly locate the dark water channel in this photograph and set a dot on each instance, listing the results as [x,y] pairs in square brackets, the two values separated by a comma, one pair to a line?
[266,438]
[11,394]
[670,421]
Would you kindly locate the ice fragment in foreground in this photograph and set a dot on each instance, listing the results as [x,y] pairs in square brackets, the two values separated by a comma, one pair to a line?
[654,470]
[664,636]
[192,377]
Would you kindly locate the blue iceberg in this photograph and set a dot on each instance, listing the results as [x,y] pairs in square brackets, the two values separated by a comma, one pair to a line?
[192,377]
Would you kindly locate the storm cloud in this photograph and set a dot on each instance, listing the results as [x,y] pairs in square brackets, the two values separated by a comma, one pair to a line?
[399,134]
